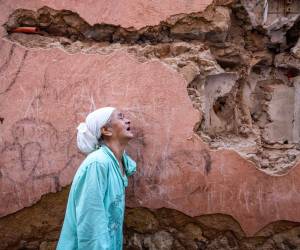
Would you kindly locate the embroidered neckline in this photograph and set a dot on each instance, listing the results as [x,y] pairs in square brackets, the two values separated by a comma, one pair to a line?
[111,154]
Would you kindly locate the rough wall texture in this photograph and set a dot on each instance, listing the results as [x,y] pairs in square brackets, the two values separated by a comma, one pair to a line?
[38,227]
[211,87]
[128,14]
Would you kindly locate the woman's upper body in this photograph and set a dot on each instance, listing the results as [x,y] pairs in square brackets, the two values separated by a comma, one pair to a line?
[95,209]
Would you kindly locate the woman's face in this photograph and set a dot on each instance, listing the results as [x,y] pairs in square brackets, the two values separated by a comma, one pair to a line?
[120,126]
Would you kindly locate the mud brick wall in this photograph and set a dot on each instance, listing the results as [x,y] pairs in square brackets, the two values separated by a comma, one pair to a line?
[212,89]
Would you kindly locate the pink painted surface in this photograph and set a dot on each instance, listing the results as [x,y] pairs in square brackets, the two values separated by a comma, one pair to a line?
[132,13]
[46,93]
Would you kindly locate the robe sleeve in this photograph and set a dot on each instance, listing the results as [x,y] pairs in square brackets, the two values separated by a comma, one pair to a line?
[91,216]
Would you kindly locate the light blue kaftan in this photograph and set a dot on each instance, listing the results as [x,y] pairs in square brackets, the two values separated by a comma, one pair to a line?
[95,209]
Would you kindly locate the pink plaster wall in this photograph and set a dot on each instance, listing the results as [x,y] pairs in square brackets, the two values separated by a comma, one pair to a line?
[44,94]
[133,13]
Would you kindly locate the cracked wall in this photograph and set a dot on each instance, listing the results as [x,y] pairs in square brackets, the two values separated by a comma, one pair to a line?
[38,227]
[230,68]
[213,95]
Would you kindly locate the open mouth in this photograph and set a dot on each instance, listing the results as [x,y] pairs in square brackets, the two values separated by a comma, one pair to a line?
[128,129]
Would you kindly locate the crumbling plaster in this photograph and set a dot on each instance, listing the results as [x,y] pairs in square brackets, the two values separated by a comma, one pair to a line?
[237,73]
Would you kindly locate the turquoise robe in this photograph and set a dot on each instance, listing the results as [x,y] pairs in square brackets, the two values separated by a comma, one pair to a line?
[96,204]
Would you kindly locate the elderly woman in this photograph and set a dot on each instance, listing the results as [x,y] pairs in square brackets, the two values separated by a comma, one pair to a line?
[95,209]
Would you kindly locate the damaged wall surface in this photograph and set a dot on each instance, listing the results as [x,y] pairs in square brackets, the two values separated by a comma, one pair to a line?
[38,227]
[212,88]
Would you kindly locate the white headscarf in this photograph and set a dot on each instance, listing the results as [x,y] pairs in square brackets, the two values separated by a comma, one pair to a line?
[89,132]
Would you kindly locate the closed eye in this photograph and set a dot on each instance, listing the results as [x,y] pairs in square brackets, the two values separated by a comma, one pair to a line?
[121,116]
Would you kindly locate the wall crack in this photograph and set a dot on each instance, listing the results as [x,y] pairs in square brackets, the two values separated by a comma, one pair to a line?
[242,71]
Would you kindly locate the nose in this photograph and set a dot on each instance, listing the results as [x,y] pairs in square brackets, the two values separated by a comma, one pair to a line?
[127,121]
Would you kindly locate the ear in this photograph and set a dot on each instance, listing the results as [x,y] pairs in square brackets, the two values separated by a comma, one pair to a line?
[106,131]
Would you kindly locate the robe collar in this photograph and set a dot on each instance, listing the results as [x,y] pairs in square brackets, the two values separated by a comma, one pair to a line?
[108,151]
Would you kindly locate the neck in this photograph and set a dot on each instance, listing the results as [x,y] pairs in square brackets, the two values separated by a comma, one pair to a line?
[117,148]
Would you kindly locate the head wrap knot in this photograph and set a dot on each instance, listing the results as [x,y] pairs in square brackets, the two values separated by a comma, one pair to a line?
[89,132]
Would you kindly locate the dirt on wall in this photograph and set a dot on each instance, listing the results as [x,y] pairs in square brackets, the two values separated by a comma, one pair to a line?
[38,227]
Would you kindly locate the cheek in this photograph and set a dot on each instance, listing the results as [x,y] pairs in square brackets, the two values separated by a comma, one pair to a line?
[119,128]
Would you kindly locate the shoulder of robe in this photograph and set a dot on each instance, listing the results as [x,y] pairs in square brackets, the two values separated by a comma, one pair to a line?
[129,159]
[130,165]
[94,159]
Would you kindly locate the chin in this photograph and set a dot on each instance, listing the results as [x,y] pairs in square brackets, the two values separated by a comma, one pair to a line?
[130,135]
